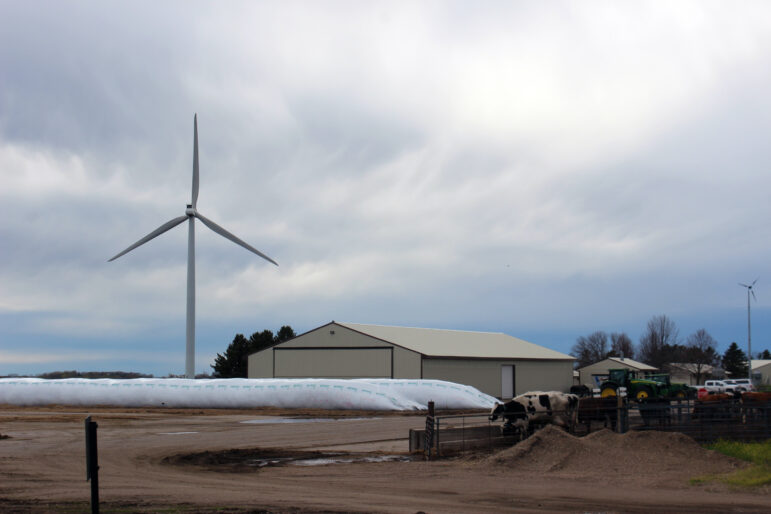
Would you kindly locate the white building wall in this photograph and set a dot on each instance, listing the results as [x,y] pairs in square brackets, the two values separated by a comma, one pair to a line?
[485,374]
[333,351]
[260,364]
[765,374]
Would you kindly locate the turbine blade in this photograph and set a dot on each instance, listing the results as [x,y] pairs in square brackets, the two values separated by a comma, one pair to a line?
[753,282]
[155,233]
[753,295]
[224,233]
[195,160]
[744,285]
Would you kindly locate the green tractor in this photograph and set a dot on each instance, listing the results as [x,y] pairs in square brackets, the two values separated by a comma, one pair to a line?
[638,388]
[669,389]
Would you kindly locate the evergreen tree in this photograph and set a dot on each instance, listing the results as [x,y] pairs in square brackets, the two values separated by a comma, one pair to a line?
[286,333]
[234,362]
[261,340]
[765,355]
[735,361]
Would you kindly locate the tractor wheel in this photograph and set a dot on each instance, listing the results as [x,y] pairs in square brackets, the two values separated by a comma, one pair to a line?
[608,392]
[643,393]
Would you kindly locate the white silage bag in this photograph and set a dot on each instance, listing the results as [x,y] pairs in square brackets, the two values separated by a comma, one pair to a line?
[359,394]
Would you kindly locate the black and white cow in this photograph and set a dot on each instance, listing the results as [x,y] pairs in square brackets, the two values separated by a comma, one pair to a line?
[522,414]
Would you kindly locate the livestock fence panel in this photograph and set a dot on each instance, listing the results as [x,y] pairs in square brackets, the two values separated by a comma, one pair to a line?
[445,435]
[707,421]
[454,434]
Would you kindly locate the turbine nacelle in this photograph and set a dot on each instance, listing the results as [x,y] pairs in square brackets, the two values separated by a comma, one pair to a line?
[190,211]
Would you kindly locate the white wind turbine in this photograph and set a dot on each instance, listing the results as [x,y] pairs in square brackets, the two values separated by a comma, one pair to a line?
[749,332]
[190,215]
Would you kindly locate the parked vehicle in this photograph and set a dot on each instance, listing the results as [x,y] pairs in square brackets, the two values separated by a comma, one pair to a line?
[671,389]
[739,385]
[638,388]
[715,387]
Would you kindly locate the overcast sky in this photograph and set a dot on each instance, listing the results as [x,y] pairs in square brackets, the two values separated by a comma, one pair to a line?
[540,169]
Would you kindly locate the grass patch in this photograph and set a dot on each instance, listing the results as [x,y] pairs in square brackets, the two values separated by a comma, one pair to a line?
[757,453]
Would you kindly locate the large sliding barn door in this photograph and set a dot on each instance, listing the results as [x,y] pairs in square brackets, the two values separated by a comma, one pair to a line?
[333,362]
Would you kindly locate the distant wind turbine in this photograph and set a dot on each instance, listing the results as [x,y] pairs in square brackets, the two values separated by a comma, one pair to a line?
[190,214]
[749,332]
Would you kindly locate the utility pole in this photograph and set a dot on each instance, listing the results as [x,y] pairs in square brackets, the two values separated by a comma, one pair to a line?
[749,327]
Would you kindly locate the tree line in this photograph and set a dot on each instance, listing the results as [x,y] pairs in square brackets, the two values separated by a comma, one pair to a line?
[660,345]
[234,362]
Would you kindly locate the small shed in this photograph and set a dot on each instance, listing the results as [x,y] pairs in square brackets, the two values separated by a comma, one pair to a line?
[761,372]
[495,363]
[594,374]
[690,373]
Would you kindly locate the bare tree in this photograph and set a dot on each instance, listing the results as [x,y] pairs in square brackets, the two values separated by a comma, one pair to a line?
[590,349]
[701,352]
[621,345]
[656,344]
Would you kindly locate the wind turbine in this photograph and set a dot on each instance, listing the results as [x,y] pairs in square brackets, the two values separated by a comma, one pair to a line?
[190,215]
[749,333]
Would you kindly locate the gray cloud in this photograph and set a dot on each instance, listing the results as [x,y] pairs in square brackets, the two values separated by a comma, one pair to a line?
[498,167]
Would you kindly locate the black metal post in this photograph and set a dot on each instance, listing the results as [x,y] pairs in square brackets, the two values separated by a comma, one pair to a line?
[429,435]
[92,463]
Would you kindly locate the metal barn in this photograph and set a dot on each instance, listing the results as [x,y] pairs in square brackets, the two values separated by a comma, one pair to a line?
[495,363]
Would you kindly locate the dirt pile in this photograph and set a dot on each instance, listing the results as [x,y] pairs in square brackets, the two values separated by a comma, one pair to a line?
[643,454]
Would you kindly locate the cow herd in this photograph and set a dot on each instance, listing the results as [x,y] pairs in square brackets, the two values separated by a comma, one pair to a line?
[527,412]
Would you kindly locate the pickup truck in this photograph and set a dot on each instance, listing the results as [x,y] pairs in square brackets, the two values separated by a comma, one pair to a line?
[714,387]
[740,384]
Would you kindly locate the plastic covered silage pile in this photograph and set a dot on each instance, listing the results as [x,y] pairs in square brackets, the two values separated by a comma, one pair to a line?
[360,394]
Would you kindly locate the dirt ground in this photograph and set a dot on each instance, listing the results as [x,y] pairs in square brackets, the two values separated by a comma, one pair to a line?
[192,460]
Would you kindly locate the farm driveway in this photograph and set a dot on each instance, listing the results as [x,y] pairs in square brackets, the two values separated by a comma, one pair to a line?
[42,467]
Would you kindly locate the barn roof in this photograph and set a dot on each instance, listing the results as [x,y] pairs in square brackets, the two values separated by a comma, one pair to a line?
[433,342]
[613,362]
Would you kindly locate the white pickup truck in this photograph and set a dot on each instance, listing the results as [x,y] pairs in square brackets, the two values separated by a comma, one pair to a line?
[740,384]
[715,387]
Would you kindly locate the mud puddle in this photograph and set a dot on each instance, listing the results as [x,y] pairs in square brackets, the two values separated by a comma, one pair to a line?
[245,460]
[330,458]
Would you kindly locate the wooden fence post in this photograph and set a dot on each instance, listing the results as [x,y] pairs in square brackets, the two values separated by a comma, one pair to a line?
[429,442]
[92,463]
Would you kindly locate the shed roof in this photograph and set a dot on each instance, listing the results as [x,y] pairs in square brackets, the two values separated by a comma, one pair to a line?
[433,342]
[610,362]
[691,367]
[759,363]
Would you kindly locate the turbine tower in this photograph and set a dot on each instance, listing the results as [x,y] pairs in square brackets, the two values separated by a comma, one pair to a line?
[749,332]
[190,215]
